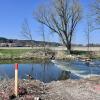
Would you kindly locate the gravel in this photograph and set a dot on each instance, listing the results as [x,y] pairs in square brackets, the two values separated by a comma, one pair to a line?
[84,89]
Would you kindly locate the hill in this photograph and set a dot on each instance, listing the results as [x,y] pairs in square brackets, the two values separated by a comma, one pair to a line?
[4,42]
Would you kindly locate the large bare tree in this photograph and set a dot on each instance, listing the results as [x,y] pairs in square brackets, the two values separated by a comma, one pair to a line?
[62,17]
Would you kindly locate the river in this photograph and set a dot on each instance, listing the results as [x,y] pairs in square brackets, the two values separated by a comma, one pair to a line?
[52,71]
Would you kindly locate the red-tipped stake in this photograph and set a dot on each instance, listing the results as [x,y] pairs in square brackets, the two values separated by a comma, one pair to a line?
[16,79]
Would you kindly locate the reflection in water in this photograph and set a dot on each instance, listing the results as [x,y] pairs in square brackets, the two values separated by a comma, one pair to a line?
[45,72]
[64,75]
[48,71]
[90,65]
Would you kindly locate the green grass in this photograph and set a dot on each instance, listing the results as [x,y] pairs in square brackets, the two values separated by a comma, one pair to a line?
[18,56]
[13,52]
[79,52]
[21,54]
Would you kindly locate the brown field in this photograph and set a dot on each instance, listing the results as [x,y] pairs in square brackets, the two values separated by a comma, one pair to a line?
[57,48]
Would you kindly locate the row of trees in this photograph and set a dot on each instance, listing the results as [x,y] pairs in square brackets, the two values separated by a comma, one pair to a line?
[62,18]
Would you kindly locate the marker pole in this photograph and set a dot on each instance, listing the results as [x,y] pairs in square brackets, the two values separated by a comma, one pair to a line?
[16,79]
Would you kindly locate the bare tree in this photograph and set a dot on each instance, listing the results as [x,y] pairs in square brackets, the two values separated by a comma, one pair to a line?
[62,18]
[43,38]
[88,30]
[26,31]
[96,12]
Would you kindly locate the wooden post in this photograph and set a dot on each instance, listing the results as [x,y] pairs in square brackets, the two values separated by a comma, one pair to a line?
[16,79]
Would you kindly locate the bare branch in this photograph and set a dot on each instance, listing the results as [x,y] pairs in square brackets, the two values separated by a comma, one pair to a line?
[62,18]
[96,13]
[26,31]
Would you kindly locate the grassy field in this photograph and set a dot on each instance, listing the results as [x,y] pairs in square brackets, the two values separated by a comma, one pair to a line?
[21,52]
[13,52]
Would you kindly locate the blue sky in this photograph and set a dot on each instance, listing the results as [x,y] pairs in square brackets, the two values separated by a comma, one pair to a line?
[13,12]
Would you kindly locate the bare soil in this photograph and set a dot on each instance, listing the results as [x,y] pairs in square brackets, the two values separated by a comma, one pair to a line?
[84,89]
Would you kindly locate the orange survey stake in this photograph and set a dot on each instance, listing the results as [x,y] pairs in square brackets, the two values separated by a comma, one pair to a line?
[16,79]
[16,66]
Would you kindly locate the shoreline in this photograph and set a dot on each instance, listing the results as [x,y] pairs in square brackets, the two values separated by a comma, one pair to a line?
[40,54]
[39,59]
[83,89]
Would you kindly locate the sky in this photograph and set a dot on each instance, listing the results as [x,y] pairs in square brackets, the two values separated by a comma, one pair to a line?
[13,13]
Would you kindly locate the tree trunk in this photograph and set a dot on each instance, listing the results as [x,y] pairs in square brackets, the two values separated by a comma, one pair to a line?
[69,48]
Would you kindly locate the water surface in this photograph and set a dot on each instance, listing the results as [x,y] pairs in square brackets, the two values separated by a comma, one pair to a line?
[44,72]
[52,71]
